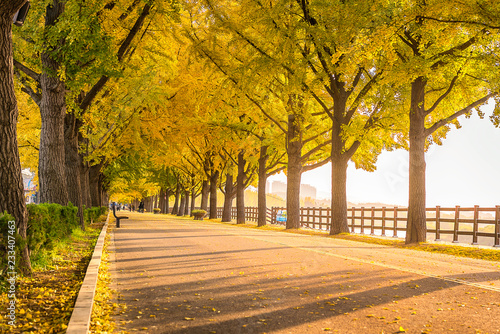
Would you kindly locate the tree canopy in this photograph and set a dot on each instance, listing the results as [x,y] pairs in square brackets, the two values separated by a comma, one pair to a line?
[178,97]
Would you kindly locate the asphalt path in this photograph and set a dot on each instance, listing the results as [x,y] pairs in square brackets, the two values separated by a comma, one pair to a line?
[185,276]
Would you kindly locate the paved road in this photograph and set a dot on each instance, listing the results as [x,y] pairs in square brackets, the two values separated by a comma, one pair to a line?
[184,276]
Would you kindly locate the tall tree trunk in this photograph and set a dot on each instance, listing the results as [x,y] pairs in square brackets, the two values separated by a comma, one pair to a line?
[51,171]
[100,190]
[193,200]
[261,195]
[175,209]
[186,205]
[94,172]
[11,181]
[205,190]
[294,152]
[240,189]
[151,203]
[161,200]
[182,206]
[416,229]
[72,159]
[339,182]
[213,194]
[167,199]
[339,198]
[228,198]
[84,182]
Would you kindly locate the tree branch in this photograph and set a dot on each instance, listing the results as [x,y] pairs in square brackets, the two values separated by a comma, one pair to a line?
[316,165]
[29,72]
[457,114]
[306,156]
[90,96]
[443,96]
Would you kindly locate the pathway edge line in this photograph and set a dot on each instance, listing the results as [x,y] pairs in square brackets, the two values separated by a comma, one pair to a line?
[79,323]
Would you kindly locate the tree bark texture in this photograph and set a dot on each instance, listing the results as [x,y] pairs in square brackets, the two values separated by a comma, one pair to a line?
[94,172]
[148,203]
[186,205]
[193,199]
[261,194]
[213,194]
[175,208]
[51,171]
[11,181]
[240,190]
[167,203]
[182,205]
[228,198]
[339,197]
[85,182]
[72,165]
[416,228]
[205,190]
[339,182]
[294,152]
[161,201]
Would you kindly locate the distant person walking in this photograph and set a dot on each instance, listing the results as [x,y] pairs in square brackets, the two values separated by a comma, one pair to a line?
[141,207]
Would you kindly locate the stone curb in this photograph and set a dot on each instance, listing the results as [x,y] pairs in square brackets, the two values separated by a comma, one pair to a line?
[79,322]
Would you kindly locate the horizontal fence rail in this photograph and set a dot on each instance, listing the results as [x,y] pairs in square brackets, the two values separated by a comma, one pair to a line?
[475,225]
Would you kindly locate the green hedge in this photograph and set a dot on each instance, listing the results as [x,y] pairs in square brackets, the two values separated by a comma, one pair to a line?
[47,224]
[92,214]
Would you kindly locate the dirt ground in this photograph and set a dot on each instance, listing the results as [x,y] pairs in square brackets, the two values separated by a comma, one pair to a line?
[186,276]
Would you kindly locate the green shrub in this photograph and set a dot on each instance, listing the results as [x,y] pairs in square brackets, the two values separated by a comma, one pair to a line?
[92,214]
[48,223]
[198,214]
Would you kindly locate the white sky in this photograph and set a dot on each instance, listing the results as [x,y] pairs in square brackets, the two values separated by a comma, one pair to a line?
[463,171]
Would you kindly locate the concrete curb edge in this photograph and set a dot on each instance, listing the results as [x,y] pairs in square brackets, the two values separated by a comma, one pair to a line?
[79,322]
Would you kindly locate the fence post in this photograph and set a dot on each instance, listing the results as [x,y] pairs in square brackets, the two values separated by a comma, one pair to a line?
[328,219]
[457,224]
[372,231]
[395,235]
[438,223]
[362,220]
[383,221]
[353,220]
[476,225]
[497,227]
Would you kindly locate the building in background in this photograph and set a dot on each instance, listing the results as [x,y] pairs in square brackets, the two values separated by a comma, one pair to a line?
[278,188]
[307,191]
[30,188]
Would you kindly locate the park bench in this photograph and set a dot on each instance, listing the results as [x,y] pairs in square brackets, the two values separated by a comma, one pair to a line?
[117,217]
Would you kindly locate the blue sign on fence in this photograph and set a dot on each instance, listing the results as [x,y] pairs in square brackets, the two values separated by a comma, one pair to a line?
[281,216]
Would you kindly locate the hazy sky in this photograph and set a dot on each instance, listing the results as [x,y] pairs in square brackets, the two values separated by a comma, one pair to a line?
[463,171]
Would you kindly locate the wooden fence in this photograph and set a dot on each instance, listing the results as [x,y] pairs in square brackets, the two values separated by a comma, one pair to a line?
[251,213]
[474,225]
